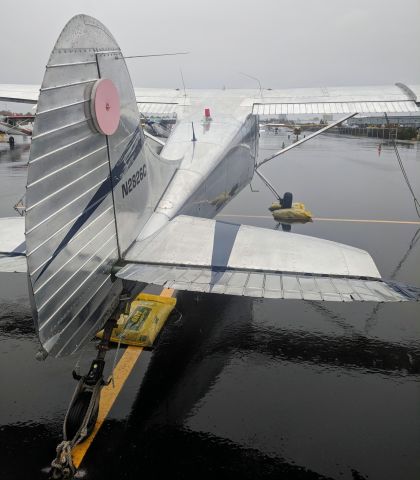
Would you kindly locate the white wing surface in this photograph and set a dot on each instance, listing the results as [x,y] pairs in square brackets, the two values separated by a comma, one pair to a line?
[12,245]
[398,98]
[19,93]
[198,254]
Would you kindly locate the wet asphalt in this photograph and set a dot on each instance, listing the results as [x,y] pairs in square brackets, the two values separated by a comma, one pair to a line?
[250,388]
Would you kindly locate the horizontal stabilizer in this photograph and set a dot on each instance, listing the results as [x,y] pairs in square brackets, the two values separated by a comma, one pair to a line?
[12,245]
[13,264]
[197,254]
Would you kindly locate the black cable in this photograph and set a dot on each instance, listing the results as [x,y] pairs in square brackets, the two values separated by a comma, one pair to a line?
[407,181]
[158,55]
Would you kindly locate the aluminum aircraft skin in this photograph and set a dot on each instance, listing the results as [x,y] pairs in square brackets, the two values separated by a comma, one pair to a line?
[106,211]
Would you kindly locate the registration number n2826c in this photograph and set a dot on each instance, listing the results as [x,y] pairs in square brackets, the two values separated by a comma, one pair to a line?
[129,185]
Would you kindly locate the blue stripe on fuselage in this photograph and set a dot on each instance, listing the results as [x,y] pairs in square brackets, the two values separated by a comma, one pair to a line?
[126,160]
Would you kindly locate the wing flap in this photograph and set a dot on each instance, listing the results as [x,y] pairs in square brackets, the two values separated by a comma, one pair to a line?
[161,110]
[160,102]
[197,254]
[269,285]
[334,107]
[398,98]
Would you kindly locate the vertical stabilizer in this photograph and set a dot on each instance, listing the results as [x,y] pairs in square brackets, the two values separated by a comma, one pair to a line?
[87,185]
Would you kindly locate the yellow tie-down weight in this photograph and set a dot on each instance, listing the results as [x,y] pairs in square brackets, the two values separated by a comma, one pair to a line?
[140,328]
[296,214]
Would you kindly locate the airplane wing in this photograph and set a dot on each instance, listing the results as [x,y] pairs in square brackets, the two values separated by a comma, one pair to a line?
[150,101]
[160,102]
[398,98]
[19,93]
[198,254]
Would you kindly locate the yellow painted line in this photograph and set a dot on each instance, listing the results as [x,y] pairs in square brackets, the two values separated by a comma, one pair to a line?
[167,292]
[245,216]
[110,393]
[108,396]
[323,219]
[356,220]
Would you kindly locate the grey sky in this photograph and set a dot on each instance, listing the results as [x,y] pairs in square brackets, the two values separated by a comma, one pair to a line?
[283,43]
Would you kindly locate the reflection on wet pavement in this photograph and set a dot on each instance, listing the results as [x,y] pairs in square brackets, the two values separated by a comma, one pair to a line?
[249,388]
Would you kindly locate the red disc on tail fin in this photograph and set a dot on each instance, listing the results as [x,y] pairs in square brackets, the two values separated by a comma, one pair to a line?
[105,106]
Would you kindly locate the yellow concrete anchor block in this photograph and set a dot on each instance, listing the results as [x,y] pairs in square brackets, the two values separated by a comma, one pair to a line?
[148,314]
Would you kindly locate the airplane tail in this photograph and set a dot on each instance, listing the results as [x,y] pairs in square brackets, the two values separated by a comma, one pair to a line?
[88,185]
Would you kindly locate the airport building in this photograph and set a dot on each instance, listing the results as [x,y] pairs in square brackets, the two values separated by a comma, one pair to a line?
[400,120]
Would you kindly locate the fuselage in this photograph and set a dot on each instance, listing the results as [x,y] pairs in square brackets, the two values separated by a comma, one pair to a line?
[216,162]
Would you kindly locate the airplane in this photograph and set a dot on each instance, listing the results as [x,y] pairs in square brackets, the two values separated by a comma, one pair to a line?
[294,128]
[16,125]
[111,208]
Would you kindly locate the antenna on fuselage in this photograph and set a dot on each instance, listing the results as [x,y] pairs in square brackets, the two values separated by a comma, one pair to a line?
[194,139]
[254,78]
[183,82]
[157,55]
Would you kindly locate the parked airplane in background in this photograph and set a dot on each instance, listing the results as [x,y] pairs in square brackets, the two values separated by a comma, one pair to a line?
[16,125]
[296,129]
[106,213]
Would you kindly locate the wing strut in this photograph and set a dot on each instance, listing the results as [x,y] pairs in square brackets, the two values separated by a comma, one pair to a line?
[303,140]
[284,150]
[268,185]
